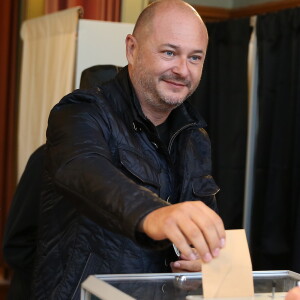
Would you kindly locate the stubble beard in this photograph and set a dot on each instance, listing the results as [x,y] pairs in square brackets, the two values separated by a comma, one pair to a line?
[158,99]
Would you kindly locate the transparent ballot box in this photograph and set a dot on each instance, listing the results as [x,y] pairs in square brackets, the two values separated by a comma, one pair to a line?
[268,285]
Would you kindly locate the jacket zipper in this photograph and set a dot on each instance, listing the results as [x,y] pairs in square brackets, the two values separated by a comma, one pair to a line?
[176,133]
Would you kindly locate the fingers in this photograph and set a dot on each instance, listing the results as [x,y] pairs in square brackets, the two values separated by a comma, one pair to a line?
[203,229]
[192,236]
[211,238]
[187,225]
[293,294]
[183,257]
[176,235]
[186,266]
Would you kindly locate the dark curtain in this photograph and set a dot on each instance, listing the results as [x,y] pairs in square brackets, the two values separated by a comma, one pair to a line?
[222,99]
[275,236]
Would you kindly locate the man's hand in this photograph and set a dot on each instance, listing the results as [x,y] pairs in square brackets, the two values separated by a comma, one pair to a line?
[184,265]
[293,294]
[185,224]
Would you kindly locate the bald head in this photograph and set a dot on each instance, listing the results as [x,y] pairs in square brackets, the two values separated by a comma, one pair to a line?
[144,23]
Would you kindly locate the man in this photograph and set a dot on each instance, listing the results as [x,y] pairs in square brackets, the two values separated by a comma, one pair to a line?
[128,166]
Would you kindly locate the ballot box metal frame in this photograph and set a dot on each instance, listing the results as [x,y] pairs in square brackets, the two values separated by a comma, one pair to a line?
[183,286]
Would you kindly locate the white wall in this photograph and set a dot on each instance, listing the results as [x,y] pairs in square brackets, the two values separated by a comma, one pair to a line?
[100,43]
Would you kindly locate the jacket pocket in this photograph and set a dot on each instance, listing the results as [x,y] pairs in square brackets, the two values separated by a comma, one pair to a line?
[140,167]
[204,186]
[205,189]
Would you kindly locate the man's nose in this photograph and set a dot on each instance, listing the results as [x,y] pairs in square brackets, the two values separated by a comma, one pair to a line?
[181,67]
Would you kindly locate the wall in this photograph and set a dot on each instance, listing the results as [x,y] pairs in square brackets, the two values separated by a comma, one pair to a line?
[213,3]
[131,9]
[33,9]
[244,3]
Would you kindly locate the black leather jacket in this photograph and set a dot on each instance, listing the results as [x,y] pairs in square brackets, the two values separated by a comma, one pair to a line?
[106,168]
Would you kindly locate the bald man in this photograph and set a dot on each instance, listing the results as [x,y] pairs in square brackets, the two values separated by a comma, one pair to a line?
[128,185]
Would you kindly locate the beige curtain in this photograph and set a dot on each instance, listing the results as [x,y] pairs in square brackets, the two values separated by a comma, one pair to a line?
[47,74]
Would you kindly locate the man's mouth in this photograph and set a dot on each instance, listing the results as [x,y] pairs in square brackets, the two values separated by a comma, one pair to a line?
[176,82]
[179,84]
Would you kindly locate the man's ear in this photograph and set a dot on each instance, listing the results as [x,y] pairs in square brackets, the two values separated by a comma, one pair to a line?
[131,47]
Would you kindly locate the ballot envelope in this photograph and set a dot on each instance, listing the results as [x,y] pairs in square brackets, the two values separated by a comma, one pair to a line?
[268,285]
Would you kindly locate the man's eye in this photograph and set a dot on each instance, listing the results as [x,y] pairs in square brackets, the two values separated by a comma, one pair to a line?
[195,58]
[169,53]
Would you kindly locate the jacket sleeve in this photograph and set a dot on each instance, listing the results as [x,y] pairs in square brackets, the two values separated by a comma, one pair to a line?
[81,167]
[19,243]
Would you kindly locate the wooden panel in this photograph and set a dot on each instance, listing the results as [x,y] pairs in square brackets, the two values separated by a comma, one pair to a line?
[213,13]
[264,8]
[210,14]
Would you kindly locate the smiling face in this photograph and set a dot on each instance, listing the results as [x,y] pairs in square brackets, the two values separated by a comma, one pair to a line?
[166,57]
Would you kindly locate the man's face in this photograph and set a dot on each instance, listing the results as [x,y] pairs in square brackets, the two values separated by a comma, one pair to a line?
[168,64]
